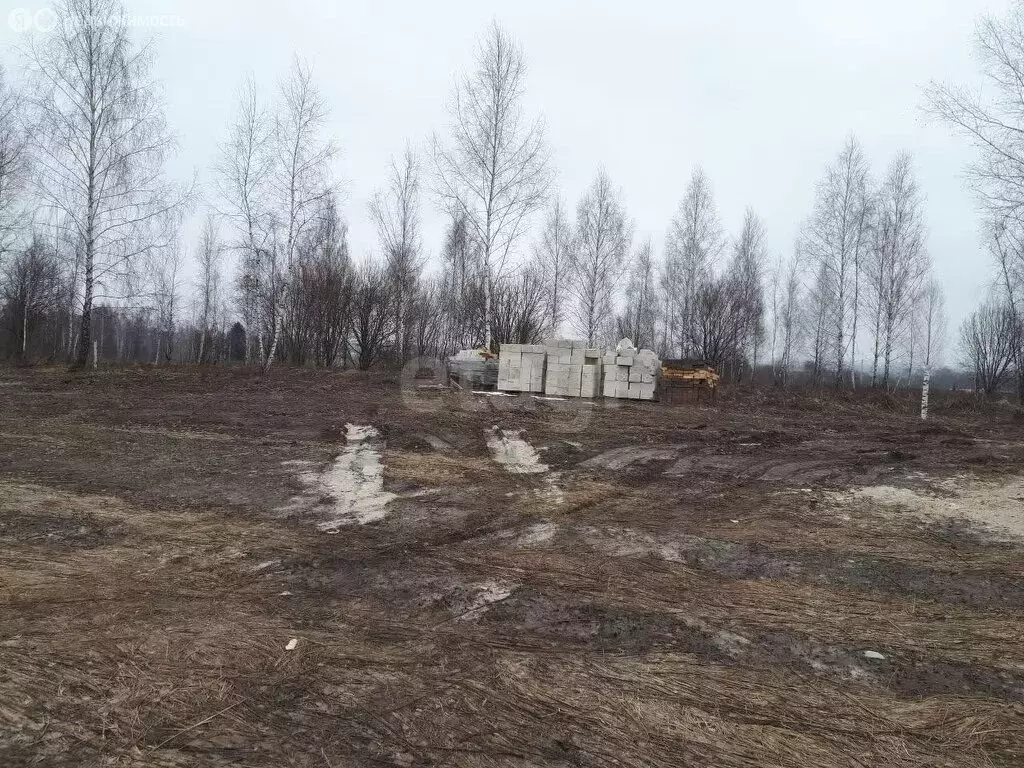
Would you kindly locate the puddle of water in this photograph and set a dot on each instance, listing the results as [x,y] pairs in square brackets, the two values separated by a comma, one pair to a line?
[512,452]
[356,480]
[353,484]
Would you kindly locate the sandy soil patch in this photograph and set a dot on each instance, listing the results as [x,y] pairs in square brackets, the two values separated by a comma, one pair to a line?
[996,505]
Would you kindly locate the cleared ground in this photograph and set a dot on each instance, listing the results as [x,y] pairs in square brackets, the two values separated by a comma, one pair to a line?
[773,582]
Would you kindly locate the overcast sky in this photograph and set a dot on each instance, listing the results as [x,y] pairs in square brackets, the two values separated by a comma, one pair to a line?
[761,94]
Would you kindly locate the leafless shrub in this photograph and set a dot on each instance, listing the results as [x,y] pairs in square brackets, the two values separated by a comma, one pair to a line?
[370,314]
[987,342]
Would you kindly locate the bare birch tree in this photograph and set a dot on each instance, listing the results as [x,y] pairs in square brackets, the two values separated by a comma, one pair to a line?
[817,320]
[209,281]
[102,143]
[495,168]
[30,289]
[553,255]
[300,178]
[242,171]
[694,243]
[396,213]
[167,269]
[787,317]
[747,271]
[14,165]
[898,262]
[993,120]
[599,253]
[836,238]
[639,319]
[933,322]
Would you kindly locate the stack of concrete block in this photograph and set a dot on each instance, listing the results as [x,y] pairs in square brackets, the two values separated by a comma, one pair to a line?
[629,373]
[521,368]
[573,370]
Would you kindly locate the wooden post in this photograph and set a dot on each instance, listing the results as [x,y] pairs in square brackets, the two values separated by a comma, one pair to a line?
[95,354]
[924,393]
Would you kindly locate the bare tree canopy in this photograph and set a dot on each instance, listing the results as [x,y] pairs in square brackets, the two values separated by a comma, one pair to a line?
[101,143]
[898,263]
[747,272]
[835,238]
[209,257]
[275,182]
[987,342]
[553,255]
[639,320]
[693,245]
[933,322]
[14,163]
[494,168]
[602,244]
[396,214]
[993,118]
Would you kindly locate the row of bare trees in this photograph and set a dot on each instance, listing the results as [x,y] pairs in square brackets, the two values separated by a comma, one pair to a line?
[90,233]
[868,273]
[96,175]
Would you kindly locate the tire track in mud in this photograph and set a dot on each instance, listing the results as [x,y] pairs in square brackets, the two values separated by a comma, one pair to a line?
[683,460]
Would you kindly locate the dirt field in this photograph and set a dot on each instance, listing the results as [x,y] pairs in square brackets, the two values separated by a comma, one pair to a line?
[210,568]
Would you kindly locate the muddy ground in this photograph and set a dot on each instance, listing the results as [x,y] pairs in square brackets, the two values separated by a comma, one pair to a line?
[334,569]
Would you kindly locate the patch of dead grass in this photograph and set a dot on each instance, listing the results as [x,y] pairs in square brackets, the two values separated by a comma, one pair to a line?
[435,470]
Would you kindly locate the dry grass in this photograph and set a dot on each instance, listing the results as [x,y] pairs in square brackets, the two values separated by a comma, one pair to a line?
[430,470]
[163,648]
